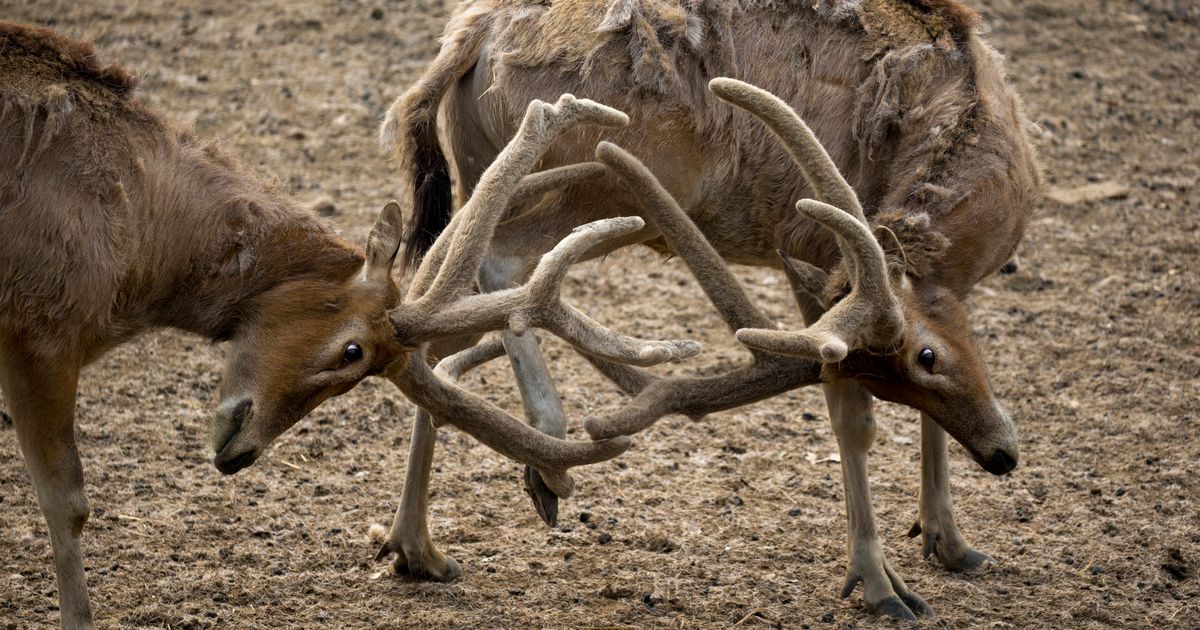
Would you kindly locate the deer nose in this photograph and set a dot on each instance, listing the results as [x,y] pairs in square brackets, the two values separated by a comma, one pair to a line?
[238,414]
[1000,462]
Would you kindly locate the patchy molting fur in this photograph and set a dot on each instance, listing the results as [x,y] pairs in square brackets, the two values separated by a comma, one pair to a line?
[113,221]
[911,104]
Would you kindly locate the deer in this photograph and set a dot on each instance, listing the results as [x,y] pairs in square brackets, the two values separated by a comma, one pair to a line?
[916,136]
[115,222]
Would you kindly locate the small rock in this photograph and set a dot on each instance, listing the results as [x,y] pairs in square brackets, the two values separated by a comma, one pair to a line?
[377,13]
[1010,267]
[660,544]
[827,617]
[615,592]
[1088,192]
[324,207]
[1176,566]
[6,420]
[585,517]
[1120,491]
[604,538]
[1097,570]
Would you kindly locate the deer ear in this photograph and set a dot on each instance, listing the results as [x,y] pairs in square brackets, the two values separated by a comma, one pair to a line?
[383,243]
[808,281]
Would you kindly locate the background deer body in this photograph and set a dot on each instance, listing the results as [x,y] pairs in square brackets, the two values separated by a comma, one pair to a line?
[114,223]
[912,107]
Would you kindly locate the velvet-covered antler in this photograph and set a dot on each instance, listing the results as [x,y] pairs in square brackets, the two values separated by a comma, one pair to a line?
[442,301]
[870,316]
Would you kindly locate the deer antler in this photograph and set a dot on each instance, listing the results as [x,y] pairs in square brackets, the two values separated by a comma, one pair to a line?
[654,397]
[869,317]
[443,302]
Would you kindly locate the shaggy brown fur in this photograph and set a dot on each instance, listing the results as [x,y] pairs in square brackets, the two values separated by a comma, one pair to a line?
[911,104]
[112,222]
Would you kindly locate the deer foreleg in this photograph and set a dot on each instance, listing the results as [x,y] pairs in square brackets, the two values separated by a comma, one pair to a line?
[854,425]
[409,537]
[41,397]
[939,532]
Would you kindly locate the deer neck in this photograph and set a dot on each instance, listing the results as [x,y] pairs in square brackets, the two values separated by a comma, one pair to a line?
[221,238]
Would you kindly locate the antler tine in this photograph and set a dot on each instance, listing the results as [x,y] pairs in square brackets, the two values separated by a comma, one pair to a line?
[801,143]
[457,269]
[494,427]
[539,183]
[531,186]
[537,303]
[865,318]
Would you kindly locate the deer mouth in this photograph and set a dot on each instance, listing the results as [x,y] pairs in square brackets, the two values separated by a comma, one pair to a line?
[230,464]
[998,463]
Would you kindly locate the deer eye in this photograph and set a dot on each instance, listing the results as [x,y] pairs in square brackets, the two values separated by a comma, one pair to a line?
[926,357]
[352,354]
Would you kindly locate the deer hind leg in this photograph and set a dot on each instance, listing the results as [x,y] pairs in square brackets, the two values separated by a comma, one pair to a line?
[511,260]
[939,532]
[41,397]
[409,537]
[854,425]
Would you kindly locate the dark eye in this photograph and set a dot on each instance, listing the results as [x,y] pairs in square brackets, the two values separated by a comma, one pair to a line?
[352,354]
[926,358]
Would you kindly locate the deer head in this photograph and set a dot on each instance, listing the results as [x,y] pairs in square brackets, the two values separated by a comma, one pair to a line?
[876,321]
[303,342]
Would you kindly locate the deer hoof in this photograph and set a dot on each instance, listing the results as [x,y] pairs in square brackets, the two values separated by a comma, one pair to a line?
[894,608]
[544,499]
[951,550]
[892,596]
[426,564]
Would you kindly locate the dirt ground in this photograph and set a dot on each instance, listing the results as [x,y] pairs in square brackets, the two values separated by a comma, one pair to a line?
[1093,347]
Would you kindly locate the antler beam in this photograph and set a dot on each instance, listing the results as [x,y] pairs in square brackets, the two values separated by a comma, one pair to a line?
[655,397]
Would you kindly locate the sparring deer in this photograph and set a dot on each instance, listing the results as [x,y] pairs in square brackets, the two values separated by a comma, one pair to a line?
[114,222]
[912,106]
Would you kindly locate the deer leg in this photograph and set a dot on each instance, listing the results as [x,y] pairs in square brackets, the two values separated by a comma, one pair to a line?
[41,397]
[939,532]
[409,537]
[543,407]
[854,425]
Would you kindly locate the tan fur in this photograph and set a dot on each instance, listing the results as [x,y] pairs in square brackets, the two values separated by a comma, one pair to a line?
[931,120]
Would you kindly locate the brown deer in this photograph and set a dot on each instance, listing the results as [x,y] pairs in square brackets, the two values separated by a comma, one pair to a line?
[912,106]
[114,222]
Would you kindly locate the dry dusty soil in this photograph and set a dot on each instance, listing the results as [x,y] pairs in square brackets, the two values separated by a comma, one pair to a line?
[1093,346]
